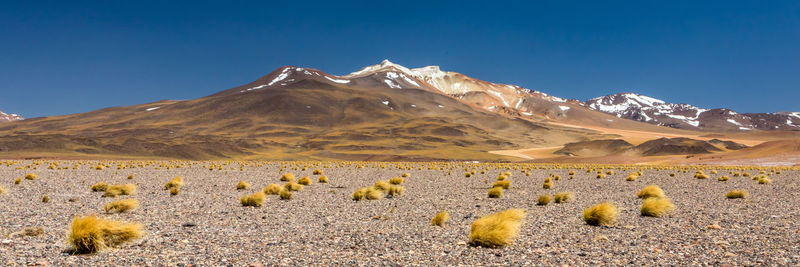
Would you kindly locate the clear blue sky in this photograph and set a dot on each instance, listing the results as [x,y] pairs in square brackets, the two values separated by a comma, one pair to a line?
[65,57]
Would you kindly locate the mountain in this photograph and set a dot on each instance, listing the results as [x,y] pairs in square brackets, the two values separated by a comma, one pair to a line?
[683,116]
[294,113]
[4,117]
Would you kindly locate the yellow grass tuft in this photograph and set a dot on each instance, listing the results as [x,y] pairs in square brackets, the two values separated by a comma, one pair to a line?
[736,194]
[700,175]
[657,207]
[2,190]
[253,200]
[382,185]
[91,234]
[406,175]
[395,190]
[650,191]
[601,176]
[130,177]
[373,193]
[603,214]
[496,230]
[100,187]
[505,184]
[272,189]
[31,176]
[543,200]
[18,180]
[242,185]
[563,197]
[723,178]
[547,183]
[360,194]
[292,186]
[304,181]
[763,179]
[496,192]
[122,205]
[288,177]
[440,218]
[317,172]
[120,190]
[45,199]
[285,194]
[174,191]
[632,177]
[396,180]
[175,182]
[323,179]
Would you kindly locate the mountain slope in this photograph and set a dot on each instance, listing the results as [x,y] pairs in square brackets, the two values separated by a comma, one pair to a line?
[650,110]
[292,113]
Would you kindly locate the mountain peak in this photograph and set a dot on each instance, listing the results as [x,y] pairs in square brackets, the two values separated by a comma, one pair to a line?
[4,117]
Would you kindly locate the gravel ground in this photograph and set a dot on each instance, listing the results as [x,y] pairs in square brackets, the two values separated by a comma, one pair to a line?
[206,225]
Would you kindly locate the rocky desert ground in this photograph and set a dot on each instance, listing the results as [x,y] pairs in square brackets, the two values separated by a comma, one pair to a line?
[205,224]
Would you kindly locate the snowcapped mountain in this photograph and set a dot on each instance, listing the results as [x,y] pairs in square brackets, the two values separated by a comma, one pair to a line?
[647,109]
[4,117]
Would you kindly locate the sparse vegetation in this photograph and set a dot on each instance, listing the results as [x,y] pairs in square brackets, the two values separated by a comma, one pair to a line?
[285,194]
[91,234]
[395,190]
[45,199]
[304,181]
[174,191]
[317,172]
[288,177]
[396,180]
[543,200]
[496,192]
[272,189]
[253,200]
[736,194]
[651,191]
[723,178]
[496,230]
[603,214]
[547,183]
[505,184]
[632,177]
[175,182]
[31,176]
[323,179]
[360,194]
[374,193]
[292,186]
[656,207]
[763,179]
[563,197]
[122,205]
[100,187]
[18,180]
[242,185]
[440,218]
[120,190]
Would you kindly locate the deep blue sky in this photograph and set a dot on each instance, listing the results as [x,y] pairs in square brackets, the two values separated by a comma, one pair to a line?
[65,57]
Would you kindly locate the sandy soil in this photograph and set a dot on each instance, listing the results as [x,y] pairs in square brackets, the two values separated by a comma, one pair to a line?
[205,224]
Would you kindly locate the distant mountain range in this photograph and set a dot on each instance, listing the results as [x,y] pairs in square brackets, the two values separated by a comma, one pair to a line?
[4,117]
[381,112]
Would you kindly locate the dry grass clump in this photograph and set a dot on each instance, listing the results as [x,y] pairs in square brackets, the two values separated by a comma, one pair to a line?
[700,175]
[496,192]
[45,199]
[746,174]
[253,200]
[174,191]
[288,177]
[100,187]
[175,182]
[405,175]
[650,191]
[543,200]
[374,193]
[547,183]
[18,180]
[505,184]
[317,172]
[395,190]
[601,176]
[292,186]
[396,180]
[285,194]
[130,177]
[31,176]
[632,177]
[242,185]
[496,230]
[723,178]
[440,218]
[323,179]
[382,185]
[603,214]
[657,207]
[563,197]
[304,181]
[736,194]
[120,190]
[2,190]
[122,205]
[360,194]
[91,234]
[272,189]
[763,179]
